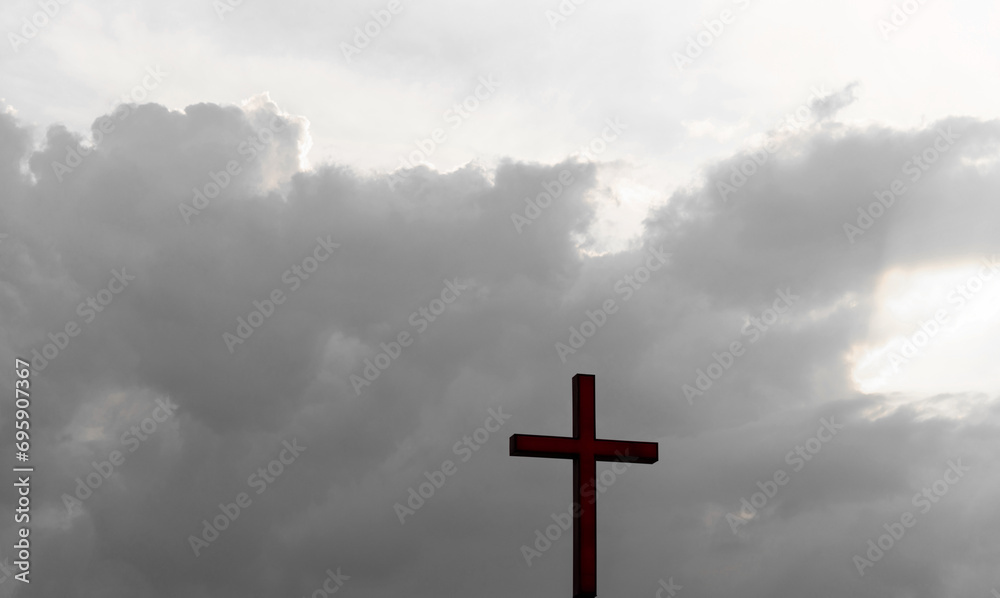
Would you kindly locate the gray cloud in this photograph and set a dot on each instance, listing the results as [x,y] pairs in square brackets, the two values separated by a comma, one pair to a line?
[493,346]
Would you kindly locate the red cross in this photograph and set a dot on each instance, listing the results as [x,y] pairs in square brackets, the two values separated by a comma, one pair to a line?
[585,450]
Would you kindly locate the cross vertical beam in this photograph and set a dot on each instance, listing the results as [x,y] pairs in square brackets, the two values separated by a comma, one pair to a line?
[584,471]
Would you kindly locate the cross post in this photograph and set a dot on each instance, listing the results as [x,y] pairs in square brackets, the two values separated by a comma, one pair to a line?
[585,449]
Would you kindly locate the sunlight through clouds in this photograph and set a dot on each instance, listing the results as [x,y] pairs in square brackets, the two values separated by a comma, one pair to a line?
[935,329]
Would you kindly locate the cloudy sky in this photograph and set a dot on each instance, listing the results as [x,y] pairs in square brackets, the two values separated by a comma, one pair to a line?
[289,275]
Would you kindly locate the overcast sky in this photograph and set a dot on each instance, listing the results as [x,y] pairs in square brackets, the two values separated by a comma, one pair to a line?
[289,275]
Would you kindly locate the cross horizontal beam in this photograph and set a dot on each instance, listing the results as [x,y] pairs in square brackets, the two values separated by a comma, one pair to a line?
[561,447]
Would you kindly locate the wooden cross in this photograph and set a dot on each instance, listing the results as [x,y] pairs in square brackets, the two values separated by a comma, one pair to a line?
[585,449]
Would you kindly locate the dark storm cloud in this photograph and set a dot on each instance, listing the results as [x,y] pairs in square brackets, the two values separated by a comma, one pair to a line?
[337,265]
